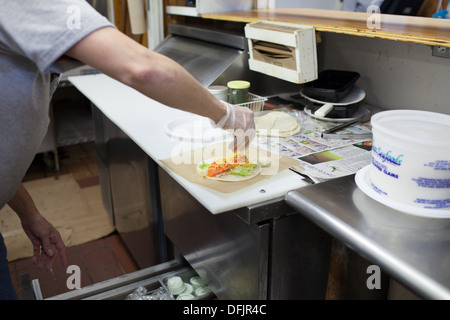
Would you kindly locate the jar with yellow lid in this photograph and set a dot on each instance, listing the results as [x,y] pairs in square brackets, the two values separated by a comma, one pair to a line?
[238,91]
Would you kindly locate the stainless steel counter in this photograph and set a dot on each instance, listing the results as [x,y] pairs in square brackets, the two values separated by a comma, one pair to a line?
[413,250]
[259,252]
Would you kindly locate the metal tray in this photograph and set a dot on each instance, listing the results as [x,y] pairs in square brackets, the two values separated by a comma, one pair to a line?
[119,288]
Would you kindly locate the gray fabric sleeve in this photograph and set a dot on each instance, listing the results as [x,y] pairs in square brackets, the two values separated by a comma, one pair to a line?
[43,30]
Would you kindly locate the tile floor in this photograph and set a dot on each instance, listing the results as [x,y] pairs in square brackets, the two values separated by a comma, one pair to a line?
[98,260]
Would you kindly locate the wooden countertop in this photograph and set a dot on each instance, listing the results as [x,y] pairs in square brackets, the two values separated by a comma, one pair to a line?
[429,31]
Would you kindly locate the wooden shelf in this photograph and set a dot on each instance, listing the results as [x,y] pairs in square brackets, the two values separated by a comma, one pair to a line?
[182,11]
[429,31]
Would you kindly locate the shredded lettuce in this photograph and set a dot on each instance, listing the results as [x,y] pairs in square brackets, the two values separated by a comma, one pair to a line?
[202,169]
[242,171]
[203,165]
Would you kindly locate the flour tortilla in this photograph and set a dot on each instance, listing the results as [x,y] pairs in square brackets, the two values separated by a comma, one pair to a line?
[229,176]
[276,123]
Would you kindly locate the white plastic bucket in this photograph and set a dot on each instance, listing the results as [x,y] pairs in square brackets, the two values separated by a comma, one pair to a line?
[411,157]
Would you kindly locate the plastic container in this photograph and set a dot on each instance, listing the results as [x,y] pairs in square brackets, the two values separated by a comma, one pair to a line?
[220,92]
[255,103]
[189,289]
[331,85]
[238,91]
[411,158]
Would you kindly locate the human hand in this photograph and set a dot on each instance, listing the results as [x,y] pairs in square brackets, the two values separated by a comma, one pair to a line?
[46,240]
[240,122]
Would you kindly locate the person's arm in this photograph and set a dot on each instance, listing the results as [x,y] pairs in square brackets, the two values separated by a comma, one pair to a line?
[156,76]
[113,53]
[46,240]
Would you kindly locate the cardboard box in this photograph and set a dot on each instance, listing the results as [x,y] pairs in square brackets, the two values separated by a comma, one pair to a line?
[283,50]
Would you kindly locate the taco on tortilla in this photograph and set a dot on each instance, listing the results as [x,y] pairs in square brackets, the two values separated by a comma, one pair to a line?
[235,167]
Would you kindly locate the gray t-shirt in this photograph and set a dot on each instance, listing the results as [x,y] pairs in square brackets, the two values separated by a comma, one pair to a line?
[34,35]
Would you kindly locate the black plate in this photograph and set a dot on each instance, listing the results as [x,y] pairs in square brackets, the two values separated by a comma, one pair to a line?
[331,85]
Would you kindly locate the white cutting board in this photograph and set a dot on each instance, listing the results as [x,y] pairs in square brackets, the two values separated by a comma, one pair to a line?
[144,120]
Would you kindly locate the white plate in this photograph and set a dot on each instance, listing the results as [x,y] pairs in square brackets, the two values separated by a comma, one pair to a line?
[194,128]
[362,179]
[355,96]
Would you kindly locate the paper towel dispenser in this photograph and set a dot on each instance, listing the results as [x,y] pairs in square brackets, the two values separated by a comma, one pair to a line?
[283,50]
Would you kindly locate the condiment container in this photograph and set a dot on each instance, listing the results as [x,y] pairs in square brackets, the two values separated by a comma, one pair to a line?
[411,157]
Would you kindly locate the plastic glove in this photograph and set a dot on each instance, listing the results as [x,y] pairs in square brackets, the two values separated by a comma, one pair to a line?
[239,121]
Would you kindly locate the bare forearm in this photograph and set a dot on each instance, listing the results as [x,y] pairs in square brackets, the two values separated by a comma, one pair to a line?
[162,79]
[23,204]
[152,74]
[174,86]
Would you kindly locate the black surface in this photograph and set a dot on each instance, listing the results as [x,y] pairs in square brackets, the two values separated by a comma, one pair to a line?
[402,7]
[331,85]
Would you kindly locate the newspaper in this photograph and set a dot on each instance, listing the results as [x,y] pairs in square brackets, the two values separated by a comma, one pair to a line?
[321,159]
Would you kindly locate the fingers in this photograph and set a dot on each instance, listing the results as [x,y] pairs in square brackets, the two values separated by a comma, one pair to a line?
[61,249]
[242,139]
[239,144]
[47,252]
[40,257]
[49,261]
[47,243]
[43,260]
[239,121]
[45,256]
[36,253]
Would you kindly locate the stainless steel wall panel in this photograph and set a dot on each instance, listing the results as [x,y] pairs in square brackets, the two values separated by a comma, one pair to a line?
[300,259]
[228,253]
[128,191]
[204,61]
